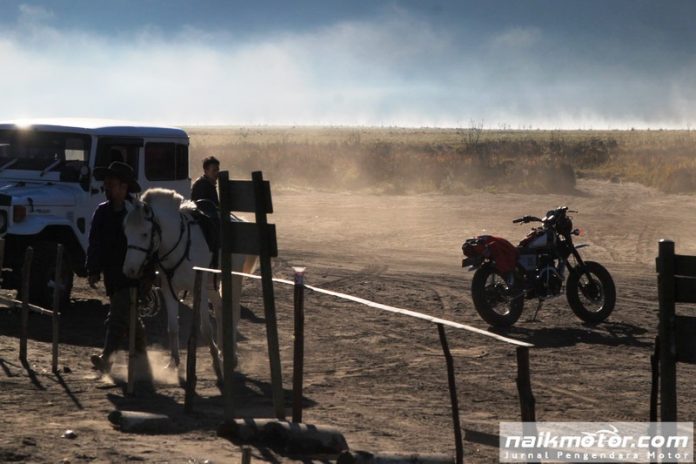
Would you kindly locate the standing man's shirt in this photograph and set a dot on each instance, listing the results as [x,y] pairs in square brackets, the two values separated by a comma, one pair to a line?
[204,189]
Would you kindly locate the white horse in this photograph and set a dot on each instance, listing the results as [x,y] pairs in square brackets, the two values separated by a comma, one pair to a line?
[160,228]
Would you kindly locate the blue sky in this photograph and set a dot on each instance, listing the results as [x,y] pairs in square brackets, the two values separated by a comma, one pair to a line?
[517,64]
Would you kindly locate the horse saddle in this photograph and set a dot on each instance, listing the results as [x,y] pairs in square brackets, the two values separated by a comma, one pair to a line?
[207,216]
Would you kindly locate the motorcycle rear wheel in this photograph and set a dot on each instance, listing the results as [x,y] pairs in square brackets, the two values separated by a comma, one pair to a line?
[493,298]
[591,299]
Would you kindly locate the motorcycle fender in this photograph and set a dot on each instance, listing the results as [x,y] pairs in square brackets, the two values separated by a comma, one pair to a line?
[472,262]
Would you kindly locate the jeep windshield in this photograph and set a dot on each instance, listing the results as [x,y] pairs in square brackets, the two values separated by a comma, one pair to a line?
[42,151]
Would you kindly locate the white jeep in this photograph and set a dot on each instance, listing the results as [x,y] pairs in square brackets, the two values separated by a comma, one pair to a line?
[48,193]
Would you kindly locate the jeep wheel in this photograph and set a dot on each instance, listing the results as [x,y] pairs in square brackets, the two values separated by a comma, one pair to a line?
[43,271]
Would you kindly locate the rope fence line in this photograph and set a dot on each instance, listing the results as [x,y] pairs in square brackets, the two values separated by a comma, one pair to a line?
[527,401]
[391,309]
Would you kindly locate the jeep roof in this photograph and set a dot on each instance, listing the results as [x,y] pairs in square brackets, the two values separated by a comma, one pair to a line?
[97,127]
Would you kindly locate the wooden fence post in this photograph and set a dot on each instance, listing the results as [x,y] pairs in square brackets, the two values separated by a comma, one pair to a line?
[2,256]
[666,296]
[524,385]
[298,358]
[193,345]
[57,293]
[227,322]
[268,296]
[246,455]
[24,318]
[453,395]
[133,292]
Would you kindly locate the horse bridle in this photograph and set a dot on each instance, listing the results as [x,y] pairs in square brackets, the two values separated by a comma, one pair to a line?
[152,251]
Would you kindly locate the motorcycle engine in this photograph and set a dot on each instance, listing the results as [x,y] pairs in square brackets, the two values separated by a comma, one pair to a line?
[549,282]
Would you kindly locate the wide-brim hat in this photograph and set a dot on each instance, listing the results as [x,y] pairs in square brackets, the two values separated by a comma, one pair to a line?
[121,171]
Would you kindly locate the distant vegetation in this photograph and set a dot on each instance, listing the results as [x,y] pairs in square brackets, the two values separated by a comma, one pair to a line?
[393,160]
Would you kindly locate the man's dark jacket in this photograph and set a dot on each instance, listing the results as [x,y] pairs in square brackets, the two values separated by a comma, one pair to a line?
[107,248]
[203,189]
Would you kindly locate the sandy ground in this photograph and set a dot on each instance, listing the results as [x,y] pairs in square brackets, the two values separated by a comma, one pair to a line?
[377,377]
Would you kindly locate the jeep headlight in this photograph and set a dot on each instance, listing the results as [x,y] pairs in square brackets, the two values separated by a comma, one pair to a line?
[19,213]
[3,222]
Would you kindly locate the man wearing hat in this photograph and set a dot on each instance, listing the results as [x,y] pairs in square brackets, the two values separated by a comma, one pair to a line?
[105,255]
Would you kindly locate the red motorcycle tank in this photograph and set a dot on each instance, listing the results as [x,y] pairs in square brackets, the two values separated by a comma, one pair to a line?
[502,252]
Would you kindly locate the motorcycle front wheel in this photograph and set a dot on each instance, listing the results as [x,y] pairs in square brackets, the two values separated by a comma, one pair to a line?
[493,298]
[591,293]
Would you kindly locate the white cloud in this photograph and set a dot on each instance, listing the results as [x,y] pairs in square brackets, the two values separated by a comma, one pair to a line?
[394,70]
[34,13]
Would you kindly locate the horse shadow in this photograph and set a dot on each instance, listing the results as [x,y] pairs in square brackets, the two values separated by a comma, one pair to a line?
[608,334]
[252,398]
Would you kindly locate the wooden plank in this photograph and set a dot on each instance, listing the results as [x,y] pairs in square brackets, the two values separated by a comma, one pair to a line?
[24,318]
[57,289]
[684,290]
[243,238]
[685,265]
[666,296]
[193,345]
[268,297]
[241,196]
[458,443]
[685,327]
[227,309]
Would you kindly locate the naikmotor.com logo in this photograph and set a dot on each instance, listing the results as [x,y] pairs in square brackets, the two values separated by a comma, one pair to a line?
[596,442]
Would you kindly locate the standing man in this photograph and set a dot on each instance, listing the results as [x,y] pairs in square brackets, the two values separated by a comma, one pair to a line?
[105,255]
[204,187]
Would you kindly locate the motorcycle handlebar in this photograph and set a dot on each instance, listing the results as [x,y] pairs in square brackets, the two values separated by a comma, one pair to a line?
[526,219]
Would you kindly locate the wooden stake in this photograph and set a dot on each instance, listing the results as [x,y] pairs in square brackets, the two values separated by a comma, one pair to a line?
[524,385]
[2,257]
[453,395]
[298,358]
[57,290]
[24,318]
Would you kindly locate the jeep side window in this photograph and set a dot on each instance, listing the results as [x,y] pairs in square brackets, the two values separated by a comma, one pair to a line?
[166,161]
[110,151]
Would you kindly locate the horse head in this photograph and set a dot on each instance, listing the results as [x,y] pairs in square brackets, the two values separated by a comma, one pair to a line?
[141,229]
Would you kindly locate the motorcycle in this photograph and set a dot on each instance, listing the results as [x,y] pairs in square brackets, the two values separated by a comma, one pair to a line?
[507,275]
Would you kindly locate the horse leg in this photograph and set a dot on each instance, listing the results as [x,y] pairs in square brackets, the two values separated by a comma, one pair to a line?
[172,306]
